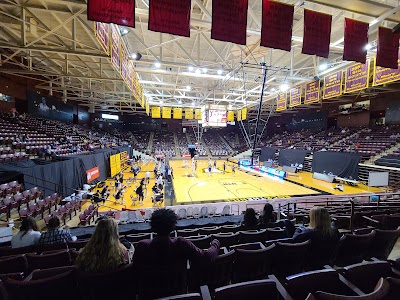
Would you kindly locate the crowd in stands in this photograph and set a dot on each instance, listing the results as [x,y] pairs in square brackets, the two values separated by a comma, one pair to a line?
[214,143]
[182,143]
[164,144]
[200,149]
[142,140]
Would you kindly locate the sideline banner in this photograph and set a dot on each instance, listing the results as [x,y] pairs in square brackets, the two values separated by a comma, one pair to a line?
[229,21]
[111,11]
[317,33]
[333,85]
[356,77]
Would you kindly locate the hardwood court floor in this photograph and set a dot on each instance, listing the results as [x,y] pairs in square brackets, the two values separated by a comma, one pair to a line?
[240,185]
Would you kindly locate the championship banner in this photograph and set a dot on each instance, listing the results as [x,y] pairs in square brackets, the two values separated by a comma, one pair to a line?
[177,113]
[317,33]
[115,45]
[244,113]
[102,33]
[125,63]
[295,96]
[129,76]
[197,113]
[166,112]
[147,108]
[333,85]
[229,21]
[170,16]
[189,113]
[111,11]
[143,102]
[312,92]
[231,116]
[277,23]
[92,174]
[385,75]
[356,78]
[239,115]
[281,102]
[355,39]
[156,112]
[388,48]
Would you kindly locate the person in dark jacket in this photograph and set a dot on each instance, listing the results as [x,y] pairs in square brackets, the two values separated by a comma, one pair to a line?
[268,215]
[250,220]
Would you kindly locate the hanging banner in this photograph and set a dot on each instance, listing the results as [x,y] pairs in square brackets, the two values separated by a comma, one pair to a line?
[333,85]
[239,115]
[197,113]
[244,113]
[170,16]
[115,47]
[156,112]
[385,75]
[177,113]
[231,116]
[356,78]
[189,113]
[125,64]
[295,96]
[281,102]
[388,48]
[166,112]
[277,23]
[355,40]
[147,108]
[312,92]
[317,33]
[102,33]
[229,21]
[111,11]
[143,102]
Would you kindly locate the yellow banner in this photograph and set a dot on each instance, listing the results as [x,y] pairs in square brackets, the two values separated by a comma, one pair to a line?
[244,113]
[295,96]
[197,114]
[166,112]
[102,33]
[356,77]
[281,102]
[189,113]
[177,113]
[143,102]
[239,115]
[231,116]
[115,164]
[385,75]
[147,108]
[156,112]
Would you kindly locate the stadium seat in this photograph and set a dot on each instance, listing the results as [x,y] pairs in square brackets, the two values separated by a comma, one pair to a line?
[13,264]
[58,258]
[201,241]
[253,236]
[353,249]
[248,290]
[187,232]
[227,239]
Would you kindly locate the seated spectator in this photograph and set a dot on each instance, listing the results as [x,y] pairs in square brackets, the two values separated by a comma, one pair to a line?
[28,234]
[319,229]
[250,220]
[55,234]
[163,249]
[268,215]
[104,251]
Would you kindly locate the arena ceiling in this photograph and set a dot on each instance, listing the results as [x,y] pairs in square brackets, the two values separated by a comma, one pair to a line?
[54,39]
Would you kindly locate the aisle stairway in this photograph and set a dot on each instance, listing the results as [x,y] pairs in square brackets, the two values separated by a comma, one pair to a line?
[372,160]
[151,139]
[177,151]
[226,143]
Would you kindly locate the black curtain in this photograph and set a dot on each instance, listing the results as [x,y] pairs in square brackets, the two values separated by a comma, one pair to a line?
[267,153]
[287,157]
[340,164]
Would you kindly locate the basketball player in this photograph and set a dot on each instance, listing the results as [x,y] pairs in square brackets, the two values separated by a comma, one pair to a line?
[148,177]
[233,169]
[209,169]
[224,167]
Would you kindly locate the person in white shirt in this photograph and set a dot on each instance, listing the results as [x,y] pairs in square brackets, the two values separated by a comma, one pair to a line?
[28,234]
[160,182]
[148,177]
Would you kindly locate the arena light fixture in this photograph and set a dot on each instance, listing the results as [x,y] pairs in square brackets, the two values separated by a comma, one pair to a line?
[284,87]
[157,64]
[323,67]
[220,71]
[136,56]
[204,70]
[198,71]
[191,68]
[273,90]
[188,87]
[110,117]
[368,47]
[124,31]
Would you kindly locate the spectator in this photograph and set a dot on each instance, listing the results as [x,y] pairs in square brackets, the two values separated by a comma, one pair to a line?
[104,251]
[28,234]
[164,250]
[250,220]
[320,227]
[268,215]
[55,234]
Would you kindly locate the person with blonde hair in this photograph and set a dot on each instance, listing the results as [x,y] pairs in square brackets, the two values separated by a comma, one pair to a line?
[320,225]
[104,251]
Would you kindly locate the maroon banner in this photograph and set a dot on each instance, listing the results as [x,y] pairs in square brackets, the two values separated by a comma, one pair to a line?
[357,78]
[333,85]
[170,16]
[277,23]
[229,21]
[295,96]
[355,40]
[312,92]
[388,48]
[317,33]
[111,11]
